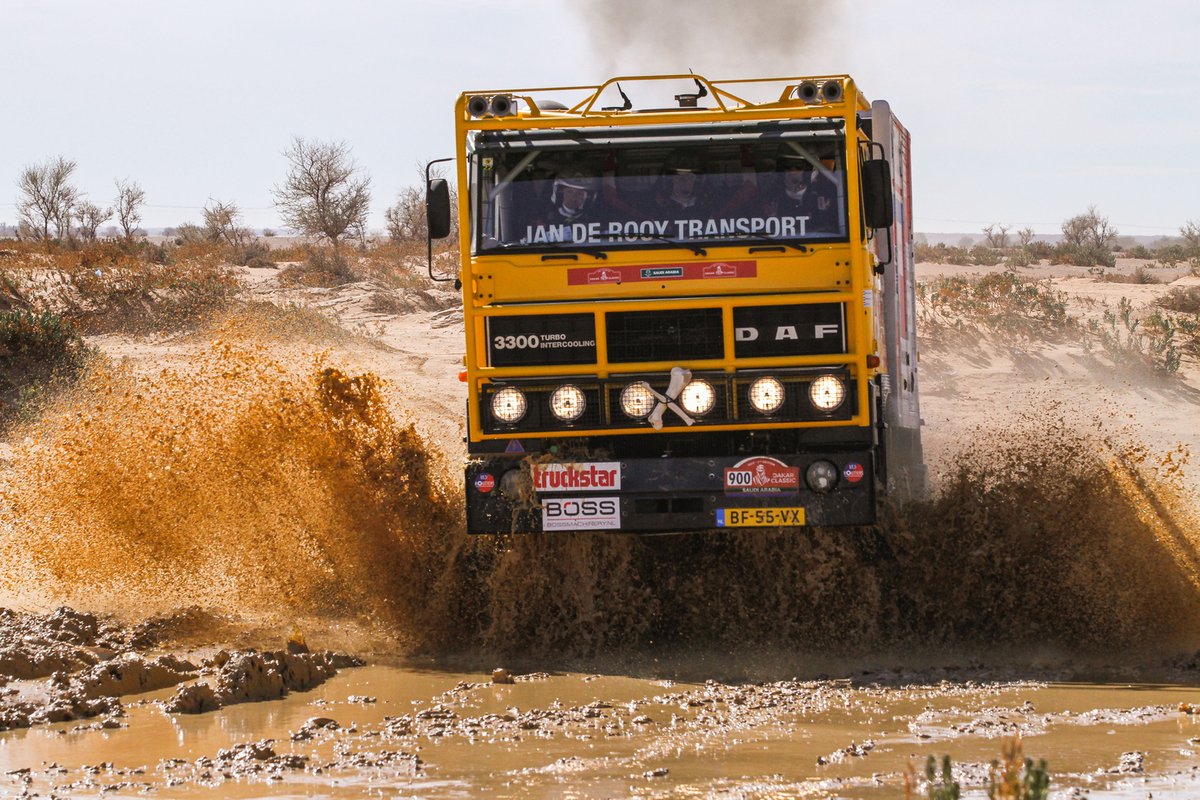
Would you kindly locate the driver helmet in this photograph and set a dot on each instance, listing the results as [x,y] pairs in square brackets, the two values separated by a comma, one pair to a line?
[573,178]
[683,162]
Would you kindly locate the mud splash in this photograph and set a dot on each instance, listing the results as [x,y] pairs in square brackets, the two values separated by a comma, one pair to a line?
[252,483]
[245,481]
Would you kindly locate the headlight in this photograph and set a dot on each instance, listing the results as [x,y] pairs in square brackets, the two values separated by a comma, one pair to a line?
[637,401]
[508,405]
[821,476]
[766,395]
[827,392]
[567,403]
[698,397]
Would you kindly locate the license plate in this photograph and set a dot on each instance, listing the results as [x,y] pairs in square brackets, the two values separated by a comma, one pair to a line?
[759,517]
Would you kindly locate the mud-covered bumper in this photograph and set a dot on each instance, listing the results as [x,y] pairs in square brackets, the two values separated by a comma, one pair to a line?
[524,494]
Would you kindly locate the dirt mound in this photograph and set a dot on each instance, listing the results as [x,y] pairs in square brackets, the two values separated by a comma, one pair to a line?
[37,645]
[247,677]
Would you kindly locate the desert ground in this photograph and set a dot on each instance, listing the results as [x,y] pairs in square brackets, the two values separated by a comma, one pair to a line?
[235,567]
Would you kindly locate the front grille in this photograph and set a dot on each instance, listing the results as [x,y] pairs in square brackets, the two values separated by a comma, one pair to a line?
[685,334]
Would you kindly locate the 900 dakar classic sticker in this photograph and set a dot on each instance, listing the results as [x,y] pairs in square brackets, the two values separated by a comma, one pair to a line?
[761,475]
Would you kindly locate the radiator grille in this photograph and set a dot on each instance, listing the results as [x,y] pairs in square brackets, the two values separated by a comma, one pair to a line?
[670,335]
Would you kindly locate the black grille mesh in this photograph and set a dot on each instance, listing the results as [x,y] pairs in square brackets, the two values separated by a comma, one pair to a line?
[669,335]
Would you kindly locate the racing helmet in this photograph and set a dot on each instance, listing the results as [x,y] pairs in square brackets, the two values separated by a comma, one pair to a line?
[574,178]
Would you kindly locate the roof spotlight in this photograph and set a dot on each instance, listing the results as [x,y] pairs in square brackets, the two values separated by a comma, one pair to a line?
[501,105]
[477,105]
[808,92]
[831,91]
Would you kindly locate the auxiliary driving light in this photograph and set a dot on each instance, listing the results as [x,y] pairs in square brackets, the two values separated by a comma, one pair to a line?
[637,400]
[567,403]
[766,395]
[821,476]
[827,392]
[698,397]
[477,105]
[508,405]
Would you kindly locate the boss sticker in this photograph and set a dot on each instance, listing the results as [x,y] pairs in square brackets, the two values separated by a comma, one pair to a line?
[761,475]
[581,513]
[590,477]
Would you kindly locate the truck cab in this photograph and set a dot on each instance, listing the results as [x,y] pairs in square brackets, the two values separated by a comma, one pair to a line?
[688,317]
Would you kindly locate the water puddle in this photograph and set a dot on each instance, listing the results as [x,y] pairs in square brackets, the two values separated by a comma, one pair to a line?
[448,735]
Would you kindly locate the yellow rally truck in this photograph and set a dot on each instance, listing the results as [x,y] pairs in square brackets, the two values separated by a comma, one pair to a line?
[688,317]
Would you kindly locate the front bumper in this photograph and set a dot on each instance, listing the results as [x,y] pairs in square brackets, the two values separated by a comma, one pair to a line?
[530,495]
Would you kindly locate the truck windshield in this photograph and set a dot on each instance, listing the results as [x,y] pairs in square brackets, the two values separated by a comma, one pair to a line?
[653,193]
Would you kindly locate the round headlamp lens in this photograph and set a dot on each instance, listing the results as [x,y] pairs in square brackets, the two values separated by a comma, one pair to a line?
[509,405]
[827,392]
[766,395]
[637,400]
[698,397]
[821,476]
[567,403]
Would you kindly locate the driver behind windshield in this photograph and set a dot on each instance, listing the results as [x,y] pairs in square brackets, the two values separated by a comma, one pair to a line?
[803,192]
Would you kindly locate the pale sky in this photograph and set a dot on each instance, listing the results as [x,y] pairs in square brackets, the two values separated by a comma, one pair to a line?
[1022,112]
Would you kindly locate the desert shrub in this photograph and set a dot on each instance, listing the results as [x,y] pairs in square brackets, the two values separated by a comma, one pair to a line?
[1139,251]
[985,256]
[941,253]
[1141,275]
[39,351]
[1148,342]
[324,266]
[1185,299]
[1019,257]
[1001,302]
[282,322]
[254,253]
[268,233]
[1083,255]
[105,289]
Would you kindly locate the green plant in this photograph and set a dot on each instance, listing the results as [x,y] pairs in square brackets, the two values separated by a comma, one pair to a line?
[1127,337]
[39,351]
[944,787]
[1014,777]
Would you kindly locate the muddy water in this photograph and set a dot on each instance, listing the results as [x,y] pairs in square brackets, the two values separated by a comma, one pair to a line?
[441,734]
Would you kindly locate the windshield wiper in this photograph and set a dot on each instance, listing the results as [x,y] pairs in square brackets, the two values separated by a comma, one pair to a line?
[565,252]
[600,255]
[767,240]
[653,237]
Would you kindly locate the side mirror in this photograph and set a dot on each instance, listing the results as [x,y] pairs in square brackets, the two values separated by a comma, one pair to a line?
[437,208]
[877,193]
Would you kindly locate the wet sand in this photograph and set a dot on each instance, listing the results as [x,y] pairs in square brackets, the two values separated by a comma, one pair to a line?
[418,732]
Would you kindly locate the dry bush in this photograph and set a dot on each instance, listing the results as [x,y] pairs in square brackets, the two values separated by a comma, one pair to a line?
[285,323]
[1001,302]
[39,353]
[108,287]
[322,267]
[1140,275]
[1184,299]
